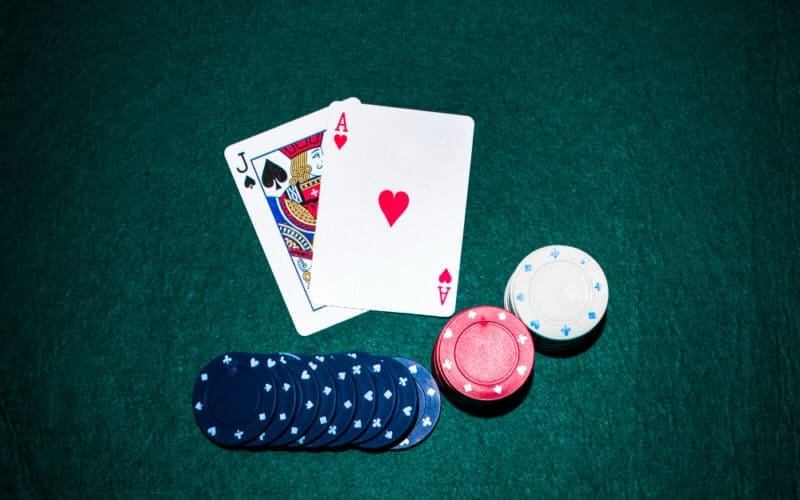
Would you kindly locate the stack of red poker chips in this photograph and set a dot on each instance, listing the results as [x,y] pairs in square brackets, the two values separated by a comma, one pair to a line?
[484,354]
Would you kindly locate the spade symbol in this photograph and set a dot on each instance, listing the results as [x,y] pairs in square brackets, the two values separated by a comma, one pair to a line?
[249,182]
[272,174]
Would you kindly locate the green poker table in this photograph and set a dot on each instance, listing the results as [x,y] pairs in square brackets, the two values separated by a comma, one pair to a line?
[661,137]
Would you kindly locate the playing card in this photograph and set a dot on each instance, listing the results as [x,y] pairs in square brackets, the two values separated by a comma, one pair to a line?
[279,176]
[391,216]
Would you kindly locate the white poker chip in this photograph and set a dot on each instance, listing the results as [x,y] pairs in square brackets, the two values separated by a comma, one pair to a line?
[559,292]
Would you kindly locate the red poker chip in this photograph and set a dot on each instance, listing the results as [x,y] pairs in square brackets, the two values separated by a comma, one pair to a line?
[484,353]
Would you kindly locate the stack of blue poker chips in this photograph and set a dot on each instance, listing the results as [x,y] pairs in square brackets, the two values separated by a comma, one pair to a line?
[292,401]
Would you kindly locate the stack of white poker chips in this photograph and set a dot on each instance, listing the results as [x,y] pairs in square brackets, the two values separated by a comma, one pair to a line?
[561,294]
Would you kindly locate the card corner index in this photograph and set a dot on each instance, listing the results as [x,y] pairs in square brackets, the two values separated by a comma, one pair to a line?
[231,151]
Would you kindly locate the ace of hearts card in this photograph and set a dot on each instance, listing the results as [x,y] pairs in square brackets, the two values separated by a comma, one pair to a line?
[391,216]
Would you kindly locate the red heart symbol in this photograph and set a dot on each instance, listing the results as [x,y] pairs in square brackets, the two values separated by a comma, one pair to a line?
[339,139]
[393,205]
[445,276]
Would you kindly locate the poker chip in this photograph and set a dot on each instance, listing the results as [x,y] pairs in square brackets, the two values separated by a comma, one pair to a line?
[308,399]
[561,294]
[365,402]
[404,414]
[384,398]
[484,354]
[287,399]
[343,391]
[326,401]
[322,401]
[233,399]
[430,404]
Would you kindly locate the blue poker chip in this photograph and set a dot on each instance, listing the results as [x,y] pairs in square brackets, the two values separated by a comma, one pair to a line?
[345,389]
[308,400]
[233,399]
[404,415]
[385,396]
[327,399]
[430,404]
[287,400]
[365,399]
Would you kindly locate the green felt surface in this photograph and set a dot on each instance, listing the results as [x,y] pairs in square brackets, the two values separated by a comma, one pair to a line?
[661,137]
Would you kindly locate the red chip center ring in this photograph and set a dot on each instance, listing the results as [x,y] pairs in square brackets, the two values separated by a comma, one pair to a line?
[482,342]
